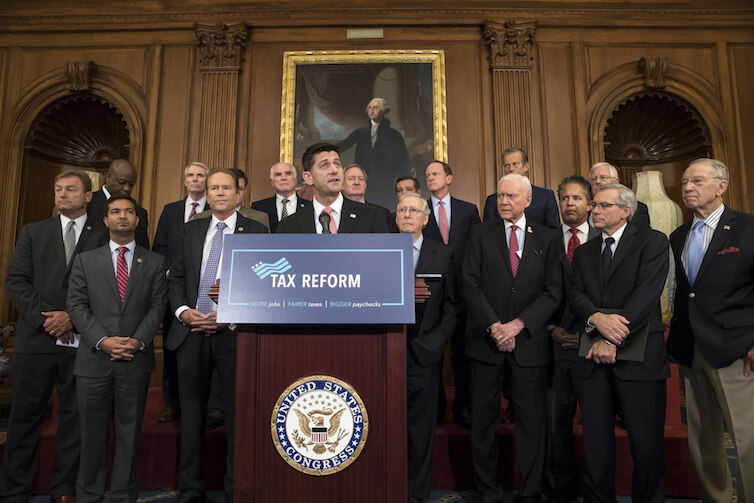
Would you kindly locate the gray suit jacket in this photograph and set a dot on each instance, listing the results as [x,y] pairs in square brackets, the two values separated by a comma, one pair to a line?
[96,311]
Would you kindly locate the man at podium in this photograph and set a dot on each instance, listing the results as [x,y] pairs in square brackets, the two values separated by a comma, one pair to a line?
[426,340]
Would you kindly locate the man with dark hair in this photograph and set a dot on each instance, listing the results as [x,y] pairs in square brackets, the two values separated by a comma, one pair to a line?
[380,151]
[285,202]
[119,181]
[543,208]
[202,344]
[243,182]
[166,241]
[615,295]
[712,330]
[403,185]
[45,349]
[450,221]
[116,297]
[330,213]
[575,199]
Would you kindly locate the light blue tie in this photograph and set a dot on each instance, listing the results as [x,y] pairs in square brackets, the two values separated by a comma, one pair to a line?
[696,251]
[203,302]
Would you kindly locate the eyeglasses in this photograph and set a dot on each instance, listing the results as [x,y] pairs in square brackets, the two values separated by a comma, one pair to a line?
[605,206]
[696,181]
[411,211]
[601,178]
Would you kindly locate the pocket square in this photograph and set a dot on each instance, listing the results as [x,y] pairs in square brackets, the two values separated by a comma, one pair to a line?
[732,249]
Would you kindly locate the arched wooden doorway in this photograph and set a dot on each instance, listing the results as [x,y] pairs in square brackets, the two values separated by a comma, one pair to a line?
[80,131]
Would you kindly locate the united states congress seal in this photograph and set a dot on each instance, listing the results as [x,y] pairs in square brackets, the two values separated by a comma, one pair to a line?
[319,425]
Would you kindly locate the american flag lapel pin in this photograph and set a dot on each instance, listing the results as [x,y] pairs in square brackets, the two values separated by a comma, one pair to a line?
[726,227]
[528,229]
[352,215]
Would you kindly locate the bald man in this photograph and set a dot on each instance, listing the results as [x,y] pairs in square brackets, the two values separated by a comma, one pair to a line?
[119,181]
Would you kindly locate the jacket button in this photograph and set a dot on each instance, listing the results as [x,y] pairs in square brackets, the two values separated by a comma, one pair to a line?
[692,295]
[513,290]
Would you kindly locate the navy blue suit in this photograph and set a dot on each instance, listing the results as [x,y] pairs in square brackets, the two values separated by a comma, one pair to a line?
[543,209]
[269,206]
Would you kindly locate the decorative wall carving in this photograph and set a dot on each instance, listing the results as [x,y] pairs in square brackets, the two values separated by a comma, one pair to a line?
[655,71]
[80,74]
[511,43]
[221,45]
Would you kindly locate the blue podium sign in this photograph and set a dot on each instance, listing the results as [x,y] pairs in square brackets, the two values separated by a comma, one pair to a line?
[317,279]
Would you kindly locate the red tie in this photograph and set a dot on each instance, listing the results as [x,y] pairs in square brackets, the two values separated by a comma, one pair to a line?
[442,219]
[121,274]
[512,249]
[572,244]
[333,227]
[193,211]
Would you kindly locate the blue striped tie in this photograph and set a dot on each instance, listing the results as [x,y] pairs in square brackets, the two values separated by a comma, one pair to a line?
[696,251]
[203,302]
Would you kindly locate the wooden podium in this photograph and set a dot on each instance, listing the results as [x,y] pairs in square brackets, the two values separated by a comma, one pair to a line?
[372,359]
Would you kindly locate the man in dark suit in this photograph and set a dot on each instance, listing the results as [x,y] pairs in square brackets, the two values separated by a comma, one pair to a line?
[543,209]
[355,188]
[615,295]
[403,185]
[380,151]
[166,241]
[201,344]
[602,173]
[575,201]
[119,181]
[285,202]
[116,298]
[512,283]
[426,341]
[330,212]
[450,221]
[45,348]
[250,213]
[712,330]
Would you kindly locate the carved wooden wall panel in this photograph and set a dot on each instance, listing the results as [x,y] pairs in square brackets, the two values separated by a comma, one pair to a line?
[742,75]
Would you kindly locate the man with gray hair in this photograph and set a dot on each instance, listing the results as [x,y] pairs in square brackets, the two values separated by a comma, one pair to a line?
[380,151]
[615,295]
[512,285]
[285,202]
[602,173]
[712,330]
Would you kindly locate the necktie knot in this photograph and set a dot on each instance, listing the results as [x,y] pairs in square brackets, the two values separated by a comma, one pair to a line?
[609,243]
[194,205]
[574,230]
[122,251]
[221,226]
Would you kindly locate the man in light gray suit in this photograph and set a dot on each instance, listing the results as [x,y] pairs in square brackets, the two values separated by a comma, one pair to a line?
[117,295]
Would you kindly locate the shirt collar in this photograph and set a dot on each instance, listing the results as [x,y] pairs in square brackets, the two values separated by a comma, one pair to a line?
[291,199]
[114,246]
[337,205]
[202,202]
[616,235]
[521,224]
[445,200]
[712,219]
[106,192]
[418,243]
[80,221]
[584,227]
[230,221]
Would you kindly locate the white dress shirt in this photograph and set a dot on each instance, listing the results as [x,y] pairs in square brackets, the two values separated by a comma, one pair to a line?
[78,225]
[582,232]
[520,234]
[337,207]
[187,207]
[292,205]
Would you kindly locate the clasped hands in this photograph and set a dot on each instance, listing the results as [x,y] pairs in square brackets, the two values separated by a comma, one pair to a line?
[200,322]
[614,328]
[58,324]
[120,348]
[504,334]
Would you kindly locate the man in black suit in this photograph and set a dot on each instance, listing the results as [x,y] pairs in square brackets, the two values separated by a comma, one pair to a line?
[426,341]
[250,213]
[355,188]
[168,238]
[202,344]
[450,221]
[116,298]
[330,212]
[615,294]
[575,201]
[285,202]
[380,151]
[543,209]
[119,181]
[712,330]
[602,173]
[512,283]
[45,348]
[403,185]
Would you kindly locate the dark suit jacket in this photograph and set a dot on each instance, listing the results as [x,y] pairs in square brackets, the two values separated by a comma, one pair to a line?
[37,277]
[440,310]
[95,308]
[386,214]
[355,218]
[185,273]
[493,294]
[269,207]
[634,283]
[717,311]
[463,216]
[96,211]
[169,233]
[641,216]
[543,209]
[564,316]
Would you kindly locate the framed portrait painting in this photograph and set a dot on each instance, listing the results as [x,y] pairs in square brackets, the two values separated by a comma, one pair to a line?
[384,109]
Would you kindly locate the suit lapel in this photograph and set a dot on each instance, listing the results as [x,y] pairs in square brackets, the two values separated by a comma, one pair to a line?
[626,241]
[722,232]
[348,216]
[502,244]
[426,256]
[306,220]
[56,230]
[198,244]
[531,241]
[106,264]
[677,241]
[135,273]
[81,243]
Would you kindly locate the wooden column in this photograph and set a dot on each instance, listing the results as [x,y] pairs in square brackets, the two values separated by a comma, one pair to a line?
[220,65]
[511,62]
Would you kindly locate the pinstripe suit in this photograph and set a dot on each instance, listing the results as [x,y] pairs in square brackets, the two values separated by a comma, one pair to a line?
[493,294]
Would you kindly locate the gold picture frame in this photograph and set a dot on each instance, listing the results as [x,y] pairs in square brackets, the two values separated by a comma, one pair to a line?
[325,94]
